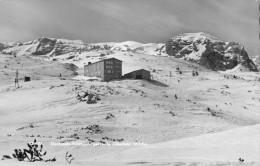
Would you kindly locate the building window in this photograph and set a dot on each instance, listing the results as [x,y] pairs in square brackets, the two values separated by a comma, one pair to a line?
[109,62]
[110,71]
[109,67]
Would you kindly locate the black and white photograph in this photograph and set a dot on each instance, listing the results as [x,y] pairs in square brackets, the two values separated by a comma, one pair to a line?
[129,83]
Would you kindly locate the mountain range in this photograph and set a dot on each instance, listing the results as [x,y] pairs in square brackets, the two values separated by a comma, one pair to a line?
[201,48]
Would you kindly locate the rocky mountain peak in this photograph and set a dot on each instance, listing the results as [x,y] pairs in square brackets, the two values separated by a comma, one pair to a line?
[209,51]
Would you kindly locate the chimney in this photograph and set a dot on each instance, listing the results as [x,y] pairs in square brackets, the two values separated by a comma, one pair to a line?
[89,63]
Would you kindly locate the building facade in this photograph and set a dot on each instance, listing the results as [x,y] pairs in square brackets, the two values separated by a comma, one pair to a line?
[139,74]
[107,69]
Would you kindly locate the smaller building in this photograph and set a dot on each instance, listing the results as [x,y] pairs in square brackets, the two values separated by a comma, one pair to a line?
[139,74]
[26,78]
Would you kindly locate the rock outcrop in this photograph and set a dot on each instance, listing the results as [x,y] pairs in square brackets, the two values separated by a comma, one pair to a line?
[2,46]
[209,51]
[44,46]
[256,60]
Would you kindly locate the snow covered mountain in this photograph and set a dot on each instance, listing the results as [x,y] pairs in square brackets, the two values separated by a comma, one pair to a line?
[55,47]
[200,48]
[209,51]
[44,46]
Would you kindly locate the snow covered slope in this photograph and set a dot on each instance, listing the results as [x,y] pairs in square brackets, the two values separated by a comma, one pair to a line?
[226,146]
[143,111]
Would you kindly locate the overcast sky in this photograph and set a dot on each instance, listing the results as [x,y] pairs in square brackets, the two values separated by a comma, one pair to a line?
[121,20]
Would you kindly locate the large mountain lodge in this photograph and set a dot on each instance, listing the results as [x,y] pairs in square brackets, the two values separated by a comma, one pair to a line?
[109,69]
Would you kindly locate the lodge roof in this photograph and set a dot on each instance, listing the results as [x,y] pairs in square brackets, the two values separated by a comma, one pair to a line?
[102,60]
[136,71]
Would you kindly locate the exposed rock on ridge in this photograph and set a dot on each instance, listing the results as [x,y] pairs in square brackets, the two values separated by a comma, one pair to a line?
[209,51]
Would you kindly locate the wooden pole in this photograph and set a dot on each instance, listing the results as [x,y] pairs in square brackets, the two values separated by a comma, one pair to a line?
[16,79]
